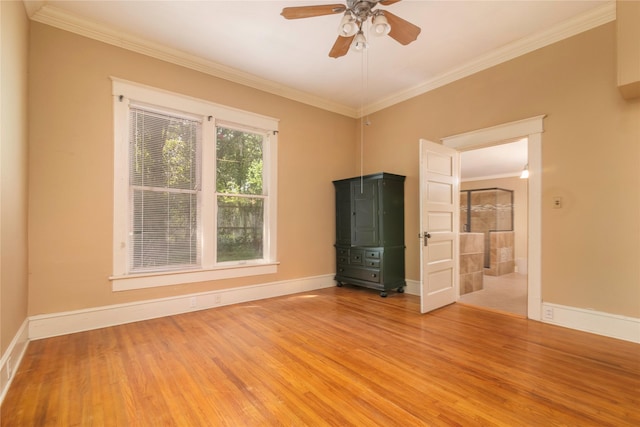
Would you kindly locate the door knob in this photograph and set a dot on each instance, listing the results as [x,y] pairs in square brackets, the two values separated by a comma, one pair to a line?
[426,236]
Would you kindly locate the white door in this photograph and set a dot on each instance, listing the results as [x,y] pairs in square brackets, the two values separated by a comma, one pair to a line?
[439,225]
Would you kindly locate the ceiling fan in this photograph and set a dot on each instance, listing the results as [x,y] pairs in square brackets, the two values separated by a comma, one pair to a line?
[356,12]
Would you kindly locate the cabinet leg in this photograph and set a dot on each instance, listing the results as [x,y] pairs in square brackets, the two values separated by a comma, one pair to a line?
[383,294]
[339,284]
[401,290]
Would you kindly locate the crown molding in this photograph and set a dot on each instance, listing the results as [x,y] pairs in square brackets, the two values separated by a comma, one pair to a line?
[584,22]
[50,15]
[487,177]
[58,18]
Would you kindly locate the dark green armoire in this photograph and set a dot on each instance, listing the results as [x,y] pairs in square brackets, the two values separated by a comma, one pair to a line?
[370,232]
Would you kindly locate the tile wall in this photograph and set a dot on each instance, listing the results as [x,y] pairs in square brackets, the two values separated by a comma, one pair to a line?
[471,262]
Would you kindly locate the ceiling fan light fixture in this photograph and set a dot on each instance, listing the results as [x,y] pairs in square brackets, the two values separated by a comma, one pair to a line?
[348,25]
[359,42]
[379,25]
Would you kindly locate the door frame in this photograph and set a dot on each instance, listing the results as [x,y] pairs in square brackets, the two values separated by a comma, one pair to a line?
[532,129]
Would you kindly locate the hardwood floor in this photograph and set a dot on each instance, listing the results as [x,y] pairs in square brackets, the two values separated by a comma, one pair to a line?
[334,357]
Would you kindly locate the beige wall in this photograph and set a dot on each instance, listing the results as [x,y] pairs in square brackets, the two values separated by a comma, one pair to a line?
[71,170]
[520,206]
[590,157]
[14,29]
[591,153]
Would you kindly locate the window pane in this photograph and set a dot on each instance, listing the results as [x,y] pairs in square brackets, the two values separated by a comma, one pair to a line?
[240,228]
[163,150]
[163,180]
[164,230]
[239,161]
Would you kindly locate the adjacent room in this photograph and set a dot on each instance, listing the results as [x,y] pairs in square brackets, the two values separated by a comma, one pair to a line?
[306,213]
[494,227]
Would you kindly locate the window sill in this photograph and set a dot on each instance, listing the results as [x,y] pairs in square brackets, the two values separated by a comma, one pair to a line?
[153,280]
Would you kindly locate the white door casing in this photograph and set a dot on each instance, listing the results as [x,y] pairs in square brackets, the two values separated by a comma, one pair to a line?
[439,224]
[532,129]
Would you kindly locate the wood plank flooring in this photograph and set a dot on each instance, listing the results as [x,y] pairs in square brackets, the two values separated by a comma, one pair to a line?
[334,357]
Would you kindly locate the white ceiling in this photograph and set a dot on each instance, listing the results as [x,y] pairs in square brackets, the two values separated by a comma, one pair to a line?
[497,161]
[250,43]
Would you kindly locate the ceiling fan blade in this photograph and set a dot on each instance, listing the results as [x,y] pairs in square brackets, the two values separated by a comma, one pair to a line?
[404,32]
[311,11]
[341,46]
[388,2]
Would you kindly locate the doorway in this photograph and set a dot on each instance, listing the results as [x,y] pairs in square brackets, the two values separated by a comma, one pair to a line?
[531,129]
[493,228]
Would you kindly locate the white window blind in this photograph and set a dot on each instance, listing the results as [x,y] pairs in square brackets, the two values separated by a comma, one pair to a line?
[164,184]
[195,190]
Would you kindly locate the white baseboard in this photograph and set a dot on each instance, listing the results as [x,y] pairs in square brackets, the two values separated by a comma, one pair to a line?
[597,322]
[55,324]
[413,287]
[12,357]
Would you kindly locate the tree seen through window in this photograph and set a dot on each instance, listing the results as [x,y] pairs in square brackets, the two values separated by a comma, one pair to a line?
[240,197]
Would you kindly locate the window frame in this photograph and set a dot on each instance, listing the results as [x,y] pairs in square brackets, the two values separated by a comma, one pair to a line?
[126,93]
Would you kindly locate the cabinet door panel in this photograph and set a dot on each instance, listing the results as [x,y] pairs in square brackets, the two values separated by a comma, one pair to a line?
[392,218]
[364,222]
[343,213]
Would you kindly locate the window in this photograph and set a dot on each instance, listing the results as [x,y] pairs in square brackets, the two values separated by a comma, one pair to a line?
[163,187]
[194,190]
[240,219]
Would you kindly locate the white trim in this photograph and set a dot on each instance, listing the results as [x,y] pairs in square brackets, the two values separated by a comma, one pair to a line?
[531,128]
[12,358]
[189,104]
[597,322]
[497,176]
[495,134]
[156,279]
[584,22]
[55,324]
[126,93]
[412,287]
[534,219]
[59,18]
[56,17]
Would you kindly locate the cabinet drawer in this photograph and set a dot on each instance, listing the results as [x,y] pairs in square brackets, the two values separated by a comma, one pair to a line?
[342,256]
[356,256]
[342,252]
[360,273]
[373,263]
[369,253]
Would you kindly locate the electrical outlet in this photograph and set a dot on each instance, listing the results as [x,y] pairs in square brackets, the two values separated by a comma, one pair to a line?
[547,313]
[192,302]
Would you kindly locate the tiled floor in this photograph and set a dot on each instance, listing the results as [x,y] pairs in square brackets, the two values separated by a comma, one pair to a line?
[506,293]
